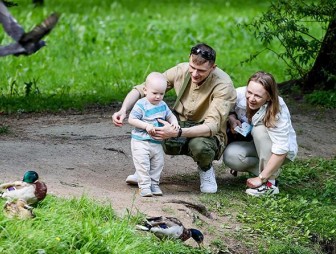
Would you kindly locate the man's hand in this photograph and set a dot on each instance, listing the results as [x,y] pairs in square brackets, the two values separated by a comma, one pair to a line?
[118,118]
[176,126]
[166,131]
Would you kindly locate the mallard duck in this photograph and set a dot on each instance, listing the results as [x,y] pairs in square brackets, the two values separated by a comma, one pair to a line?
[30,189]
[18,209]
[170,227]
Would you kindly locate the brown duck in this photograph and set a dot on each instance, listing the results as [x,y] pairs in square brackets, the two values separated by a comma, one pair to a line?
[18,209]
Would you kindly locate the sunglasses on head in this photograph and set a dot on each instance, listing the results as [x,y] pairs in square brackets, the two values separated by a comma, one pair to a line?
[204,53]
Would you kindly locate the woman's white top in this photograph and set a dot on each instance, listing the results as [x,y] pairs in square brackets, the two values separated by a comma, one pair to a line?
[283,135]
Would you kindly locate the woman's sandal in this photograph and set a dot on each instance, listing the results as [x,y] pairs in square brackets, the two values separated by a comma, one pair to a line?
[233,172]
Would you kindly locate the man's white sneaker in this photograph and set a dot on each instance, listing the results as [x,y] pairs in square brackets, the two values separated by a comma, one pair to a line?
[266,189]
[132,179]
[208,181]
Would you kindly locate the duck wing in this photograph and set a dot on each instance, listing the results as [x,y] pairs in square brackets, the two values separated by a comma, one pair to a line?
[10,25]
[12,49]
[164,227]
[169,232]
[16,184]
[154,221]
[172,221]
[41,30]
[163,221]
[26,193]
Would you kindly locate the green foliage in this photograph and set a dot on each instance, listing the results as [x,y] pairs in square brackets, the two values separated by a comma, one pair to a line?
[298,220]
[229,200]
[282,248]
[52,103]
[80,226]
[324,98]
[103,48]
[4,129]
[316,179]
[294,30]
[306,207]
[290,219]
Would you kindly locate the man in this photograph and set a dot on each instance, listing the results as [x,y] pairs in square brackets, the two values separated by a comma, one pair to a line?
[205,98]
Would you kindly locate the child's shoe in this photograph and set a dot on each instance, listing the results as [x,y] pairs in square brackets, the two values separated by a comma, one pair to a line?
[156,190]
[146,192]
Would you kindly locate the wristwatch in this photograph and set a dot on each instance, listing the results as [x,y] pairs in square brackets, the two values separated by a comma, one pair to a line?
[179,132]
[263,179]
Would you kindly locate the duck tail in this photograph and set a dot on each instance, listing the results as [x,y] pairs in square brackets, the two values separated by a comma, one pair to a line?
[141,227]
[146,226]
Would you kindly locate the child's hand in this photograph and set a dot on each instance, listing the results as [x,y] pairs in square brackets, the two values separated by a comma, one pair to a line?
[150,129]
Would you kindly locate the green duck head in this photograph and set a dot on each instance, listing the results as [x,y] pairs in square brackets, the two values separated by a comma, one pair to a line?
[30,176]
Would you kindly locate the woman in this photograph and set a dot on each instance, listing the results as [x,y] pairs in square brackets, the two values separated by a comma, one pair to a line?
[274,139]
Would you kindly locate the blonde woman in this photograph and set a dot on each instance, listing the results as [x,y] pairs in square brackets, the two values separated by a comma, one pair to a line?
[274,139]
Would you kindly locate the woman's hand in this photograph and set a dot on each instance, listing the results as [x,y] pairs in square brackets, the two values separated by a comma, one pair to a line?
[254,182]
[234,122]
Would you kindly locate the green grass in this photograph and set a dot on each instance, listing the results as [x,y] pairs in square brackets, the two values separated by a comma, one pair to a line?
[301,219]
[324,98]
[100,49]
[96,53]
[4,129]
[80,226]
[302,216]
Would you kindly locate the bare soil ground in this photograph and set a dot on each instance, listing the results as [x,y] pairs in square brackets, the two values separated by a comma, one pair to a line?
[83,153]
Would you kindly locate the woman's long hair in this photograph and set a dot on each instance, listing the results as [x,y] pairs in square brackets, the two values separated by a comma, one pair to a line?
[273,107]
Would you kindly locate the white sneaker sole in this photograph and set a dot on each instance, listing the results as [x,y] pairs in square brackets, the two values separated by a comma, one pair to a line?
[131,180]
[209,191]
[252,192]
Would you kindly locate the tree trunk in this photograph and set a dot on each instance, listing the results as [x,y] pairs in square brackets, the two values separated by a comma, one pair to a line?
[322,75]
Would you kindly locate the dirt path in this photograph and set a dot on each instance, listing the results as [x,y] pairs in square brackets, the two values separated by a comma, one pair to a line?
[78,154]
